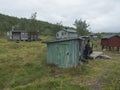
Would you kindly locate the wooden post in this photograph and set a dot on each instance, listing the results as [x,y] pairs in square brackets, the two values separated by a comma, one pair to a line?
[109,48]
[102,47]
[118,49]
[113,48]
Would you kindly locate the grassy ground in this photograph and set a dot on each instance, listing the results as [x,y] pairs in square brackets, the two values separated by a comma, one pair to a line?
[23,67]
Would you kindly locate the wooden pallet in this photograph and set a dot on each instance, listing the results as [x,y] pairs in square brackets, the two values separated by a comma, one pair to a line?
[95,54]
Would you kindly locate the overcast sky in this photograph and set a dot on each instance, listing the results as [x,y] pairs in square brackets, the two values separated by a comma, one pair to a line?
[101,15]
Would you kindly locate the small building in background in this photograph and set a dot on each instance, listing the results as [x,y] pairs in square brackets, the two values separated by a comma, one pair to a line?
[22,35]
[65,52]
[18,35]
[110,41]
[67,33]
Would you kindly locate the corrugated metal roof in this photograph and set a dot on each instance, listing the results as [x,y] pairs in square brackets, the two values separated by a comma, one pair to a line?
[110,36]
[60,40]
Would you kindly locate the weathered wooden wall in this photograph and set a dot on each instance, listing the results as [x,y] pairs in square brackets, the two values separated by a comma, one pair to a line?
[64,53]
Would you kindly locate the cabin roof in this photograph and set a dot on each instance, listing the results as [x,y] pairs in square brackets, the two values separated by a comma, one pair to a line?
[71,30]
[60,40]
[84,36]
[110,36]
[18,31]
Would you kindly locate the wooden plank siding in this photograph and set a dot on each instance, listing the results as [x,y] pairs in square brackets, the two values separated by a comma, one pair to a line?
[114,42]
[111,41]
[64,53]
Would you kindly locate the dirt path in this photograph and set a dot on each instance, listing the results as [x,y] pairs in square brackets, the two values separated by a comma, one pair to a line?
[97,84]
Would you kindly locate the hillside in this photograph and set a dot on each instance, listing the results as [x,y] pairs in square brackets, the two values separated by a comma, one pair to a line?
[44,28]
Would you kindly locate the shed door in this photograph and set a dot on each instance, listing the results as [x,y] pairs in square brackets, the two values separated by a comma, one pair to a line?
[64,55]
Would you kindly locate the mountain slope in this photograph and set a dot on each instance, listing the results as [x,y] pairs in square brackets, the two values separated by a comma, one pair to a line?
[45,28]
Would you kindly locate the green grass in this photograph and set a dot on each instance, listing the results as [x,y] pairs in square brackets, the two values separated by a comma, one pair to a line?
[23,67]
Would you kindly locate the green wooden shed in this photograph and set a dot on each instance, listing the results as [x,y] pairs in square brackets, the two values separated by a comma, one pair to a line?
[64,53]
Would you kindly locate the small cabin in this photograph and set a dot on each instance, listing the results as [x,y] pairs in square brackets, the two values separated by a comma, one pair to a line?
[65,52]
[110,41]
[18,35]
[67,33]
[21,35]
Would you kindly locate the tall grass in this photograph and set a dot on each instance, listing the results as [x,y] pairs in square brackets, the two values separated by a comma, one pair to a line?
[23,67]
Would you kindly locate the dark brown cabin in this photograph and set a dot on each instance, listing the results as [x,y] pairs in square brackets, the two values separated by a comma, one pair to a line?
[110,41]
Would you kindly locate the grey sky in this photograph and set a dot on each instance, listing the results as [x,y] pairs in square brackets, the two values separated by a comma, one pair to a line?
[102,15]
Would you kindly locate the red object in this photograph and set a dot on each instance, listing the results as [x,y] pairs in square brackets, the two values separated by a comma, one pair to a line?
[111,41]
